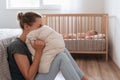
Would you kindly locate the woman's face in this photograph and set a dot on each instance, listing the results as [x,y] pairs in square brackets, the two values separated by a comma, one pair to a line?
[37,24]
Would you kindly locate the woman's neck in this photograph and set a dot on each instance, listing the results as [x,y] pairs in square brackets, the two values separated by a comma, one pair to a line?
[23,36]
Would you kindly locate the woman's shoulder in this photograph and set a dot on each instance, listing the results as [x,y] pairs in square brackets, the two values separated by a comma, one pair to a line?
[16,42]
[17,46]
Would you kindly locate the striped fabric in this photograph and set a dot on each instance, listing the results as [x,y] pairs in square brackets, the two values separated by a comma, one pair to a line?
[6,36]
[4,68]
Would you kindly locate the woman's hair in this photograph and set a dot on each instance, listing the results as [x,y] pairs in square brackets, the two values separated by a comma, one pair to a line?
[28,18]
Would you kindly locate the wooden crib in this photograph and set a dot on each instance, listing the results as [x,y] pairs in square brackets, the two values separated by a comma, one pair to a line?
[75,29]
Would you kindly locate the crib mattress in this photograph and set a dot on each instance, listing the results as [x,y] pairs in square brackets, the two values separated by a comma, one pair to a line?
[86,44]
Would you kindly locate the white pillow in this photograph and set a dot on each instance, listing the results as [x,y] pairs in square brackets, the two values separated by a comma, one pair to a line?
[99,36]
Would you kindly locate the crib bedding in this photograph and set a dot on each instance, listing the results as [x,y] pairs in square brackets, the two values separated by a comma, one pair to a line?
[85,44]
[77,36]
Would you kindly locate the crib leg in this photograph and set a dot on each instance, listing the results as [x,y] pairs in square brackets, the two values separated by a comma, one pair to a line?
[106,57]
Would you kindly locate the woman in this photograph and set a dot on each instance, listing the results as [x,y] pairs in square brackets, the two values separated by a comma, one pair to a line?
[20,60]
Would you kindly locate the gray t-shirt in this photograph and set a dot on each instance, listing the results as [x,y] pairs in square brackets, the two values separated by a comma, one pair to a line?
[17,46]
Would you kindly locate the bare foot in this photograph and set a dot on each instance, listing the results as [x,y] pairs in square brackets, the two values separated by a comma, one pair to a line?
[84,78]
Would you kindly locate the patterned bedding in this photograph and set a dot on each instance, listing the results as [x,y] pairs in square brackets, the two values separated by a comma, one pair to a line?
[4,69]
[6,36]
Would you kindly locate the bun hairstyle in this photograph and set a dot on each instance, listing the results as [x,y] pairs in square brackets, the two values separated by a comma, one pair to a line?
[20,15]
[28,18]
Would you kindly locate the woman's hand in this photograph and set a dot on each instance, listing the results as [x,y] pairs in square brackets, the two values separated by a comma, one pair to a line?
[38,45]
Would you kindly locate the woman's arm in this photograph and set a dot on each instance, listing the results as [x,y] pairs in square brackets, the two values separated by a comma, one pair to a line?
[29,71]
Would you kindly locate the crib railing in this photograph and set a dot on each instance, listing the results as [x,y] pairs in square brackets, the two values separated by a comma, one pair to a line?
[74,24]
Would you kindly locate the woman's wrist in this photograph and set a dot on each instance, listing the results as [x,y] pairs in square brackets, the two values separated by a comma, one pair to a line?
[38,51]
[37,56]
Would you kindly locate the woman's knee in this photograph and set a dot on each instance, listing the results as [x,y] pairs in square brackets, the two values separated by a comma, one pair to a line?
[66,50]
[61,56]
[58,58]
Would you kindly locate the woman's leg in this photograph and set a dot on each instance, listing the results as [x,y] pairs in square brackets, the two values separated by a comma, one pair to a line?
[60,63]
[80,73]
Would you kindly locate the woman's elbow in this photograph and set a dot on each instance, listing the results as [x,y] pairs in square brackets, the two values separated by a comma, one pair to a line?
[29,77]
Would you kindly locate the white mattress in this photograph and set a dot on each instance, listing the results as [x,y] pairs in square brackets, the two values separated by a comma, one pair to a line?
[86,44]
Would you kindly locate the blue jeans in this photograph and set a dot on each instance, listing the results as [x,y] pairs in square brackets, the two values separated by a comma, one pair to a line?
[65,63]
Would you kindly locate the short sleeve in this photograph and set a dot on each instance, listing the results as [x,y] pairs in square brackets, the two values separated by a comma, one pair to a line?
[17,47]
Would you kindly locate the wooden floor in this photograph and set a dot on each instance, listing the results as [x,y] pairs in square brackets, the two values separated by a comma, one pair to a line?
[96,68]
